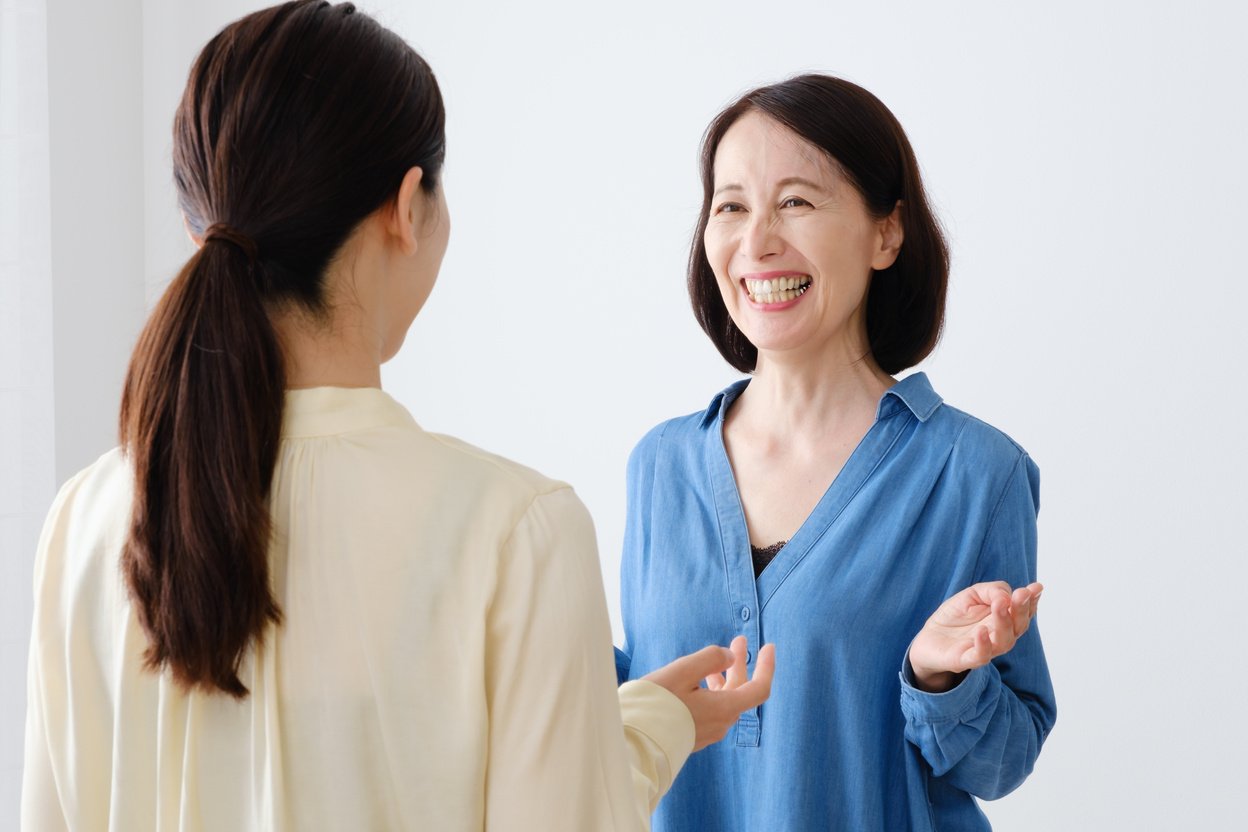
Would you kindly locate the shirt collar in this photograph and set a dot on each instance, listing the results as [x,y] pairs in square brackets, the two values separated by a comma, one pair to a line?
[723,399]
[326,411]
[914,391]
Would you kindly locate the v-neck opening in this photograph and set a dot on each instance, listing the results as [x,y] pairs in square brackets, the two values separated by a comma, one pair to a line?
[870,450]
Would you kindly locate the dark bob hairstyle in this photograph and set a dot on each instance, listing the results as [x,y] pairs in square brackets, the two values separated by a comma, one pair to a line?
[906,301]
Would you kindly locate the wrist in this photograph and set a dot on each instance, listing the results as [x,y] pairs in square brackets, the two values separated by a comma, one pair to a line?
[930,680]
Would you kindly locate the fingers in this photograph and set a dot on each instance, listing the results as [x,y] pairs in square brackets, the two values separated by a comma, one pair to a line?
[979,651]
[686,672]
[990,591]
[1020,610]
[737,674]
[753,693]
[1002,627]
[972,603]
[1023,603]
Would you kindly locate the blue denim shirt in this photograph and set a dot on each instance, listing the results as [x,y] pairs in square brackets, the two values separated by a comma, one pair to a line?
[931,501]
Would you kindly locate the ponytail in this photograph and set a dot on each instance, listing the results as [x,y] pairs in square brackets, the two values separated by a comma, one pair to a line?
[201,419]
[297,123]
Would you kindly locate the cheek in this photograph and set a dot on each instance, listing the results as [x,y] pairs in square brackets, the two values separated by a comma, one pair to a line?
[718,252]
[842,254]
[718,242]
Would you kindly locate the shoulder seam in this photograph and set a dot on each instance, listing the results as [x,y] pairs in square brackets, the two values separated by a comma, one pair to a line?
[996,510]
[525,512]
[548,486]
[969,417]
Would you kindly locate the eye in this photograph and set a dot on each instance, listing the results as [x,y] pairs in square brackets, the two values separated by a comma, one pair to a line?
[729,208]
[794,202]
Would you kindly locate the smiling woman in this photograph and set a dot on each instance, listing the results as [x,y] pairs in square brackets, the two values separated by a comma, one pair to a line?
[831,174]
[885,542]
[816,219]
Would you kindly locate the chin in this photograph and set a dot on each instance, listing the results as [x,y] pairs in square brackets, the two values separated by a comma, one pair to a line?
[770,340]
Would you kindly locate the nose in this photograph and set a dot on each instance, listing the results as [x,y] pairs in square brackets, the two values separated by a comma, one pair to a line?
[759,238]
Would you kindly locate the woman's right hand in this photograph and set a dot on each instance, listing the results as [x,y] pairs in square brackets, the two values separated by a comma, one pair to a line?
[969,630]
[728,692]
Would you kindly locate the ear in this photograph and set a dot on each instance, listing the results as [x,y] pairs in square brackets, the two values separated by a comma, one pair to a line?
[405,217]
[891,235]
[198,243]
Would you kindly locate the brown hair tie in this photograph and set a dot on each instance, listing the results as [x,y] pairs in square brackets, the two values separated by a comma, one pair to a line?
[221,231]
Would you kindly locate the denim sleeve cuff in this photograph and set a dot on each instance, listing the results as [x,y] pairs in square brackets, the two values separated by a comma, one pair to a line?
[921,706]
[623,662]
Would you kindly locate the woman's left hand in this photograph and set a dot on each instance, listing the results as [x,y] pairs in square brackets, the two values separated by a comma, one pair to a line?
[969,630]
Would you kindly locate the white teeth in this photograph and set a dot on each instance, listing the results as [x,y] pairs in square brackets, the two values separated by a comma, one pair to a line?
[777,290]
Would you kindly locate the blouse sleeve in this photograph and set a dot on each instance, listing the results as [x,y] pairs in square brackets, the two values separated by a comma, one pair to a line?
[41,804]
[41,807]
[984,735]
[567,751]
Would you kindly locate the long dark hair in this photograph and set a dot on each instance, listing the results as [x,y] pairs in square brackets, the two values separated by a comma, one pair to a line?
[298,122]
[906,301]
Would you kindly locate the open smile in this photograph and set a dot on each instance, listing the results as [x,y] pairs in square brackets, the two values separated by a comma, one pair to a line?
[774,291]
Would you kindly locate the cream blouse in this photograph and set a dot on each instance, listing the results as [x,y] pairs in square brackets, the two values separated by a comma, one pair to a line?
[444,663]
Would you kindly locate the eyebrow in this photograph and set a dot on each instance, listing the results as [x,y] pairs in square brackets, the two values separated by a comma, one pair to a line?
[783,183]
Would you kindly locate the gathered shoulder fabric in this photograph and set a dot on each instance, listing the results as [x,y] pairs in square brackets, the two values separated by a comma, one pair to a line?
[444,660]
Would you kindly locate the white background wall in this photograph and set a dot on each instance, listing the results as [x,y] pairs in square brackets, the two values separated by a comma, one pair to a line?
[26,394]
[1088,161]
[71,290]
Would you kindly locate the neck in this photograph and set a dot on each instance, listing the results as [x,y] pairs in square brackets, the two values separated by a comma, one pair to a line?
[344,347]
[327,354]
[815,393]
[343,351]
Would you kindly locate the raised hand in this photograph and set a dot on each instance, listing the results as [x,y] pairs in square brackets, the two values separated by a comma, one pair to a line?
[715,709]
[969,630]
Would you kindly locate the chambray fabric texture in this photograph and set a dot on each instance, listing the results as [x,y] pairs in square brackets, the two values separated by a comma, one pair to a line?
[931,501]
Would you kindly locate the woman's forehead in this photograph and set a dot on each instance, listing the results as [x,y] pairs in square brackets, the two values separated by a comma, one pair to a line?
[758,149]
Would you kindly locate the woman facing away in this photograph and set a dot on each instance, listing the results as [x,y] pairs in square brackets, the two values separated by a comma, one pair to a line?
[886,540]
[281,604]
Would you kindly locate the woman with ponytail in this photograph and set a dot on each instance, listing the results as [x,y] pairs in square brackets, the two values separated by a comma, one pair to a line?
[280,604]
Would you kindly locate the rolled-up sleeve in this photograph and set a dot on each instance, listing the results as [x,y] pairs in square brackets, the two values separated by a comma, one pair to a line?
[984,735]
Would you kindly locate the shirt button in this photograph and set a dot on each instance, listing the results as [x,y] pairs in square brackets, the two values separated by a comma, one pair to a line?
[745,613]
[749,657]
